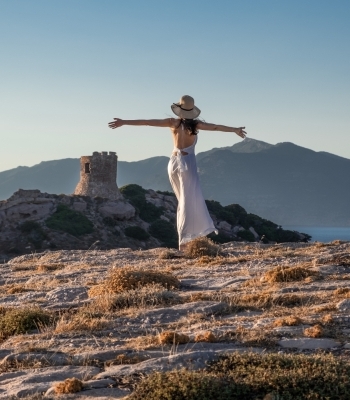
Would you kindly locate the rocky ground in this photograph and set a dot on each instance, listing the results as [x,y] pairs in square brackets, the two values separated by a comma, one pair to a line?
[279,298]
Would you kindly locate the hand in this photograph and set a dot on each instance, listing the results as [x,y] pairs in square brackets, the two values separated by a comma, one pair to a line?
[117,123]
[240,132]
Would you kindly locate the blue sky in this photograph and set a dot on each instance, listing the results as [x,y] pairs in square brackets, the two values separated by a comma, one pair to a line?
[280,68]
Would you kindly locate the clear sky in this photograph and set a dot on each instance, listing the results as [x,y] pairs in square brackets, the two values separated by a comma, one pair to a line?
[280,68]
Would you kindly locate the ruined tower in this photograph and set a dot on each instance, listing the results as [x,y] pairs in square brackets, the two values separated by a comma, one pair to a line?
[98,176]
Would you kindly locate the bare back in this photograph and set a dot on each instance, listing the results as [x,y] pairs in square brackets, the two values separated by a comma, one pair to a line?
[181,136]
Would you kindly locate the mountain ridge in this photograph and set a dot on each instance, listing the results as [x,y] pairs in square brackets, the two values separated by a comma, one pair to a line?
[286,183]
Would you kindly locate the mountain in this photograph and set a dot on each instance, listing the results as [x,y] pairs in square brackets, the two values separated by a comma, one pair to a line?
[286,183]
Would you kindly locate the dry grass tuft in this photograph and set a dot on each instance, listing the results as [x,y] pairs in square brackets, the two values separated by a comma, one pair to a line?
[314,331]
[205,260]
[327,319]
[49,267]
[202,247]
[287,321]
[99,290]
[343,291]
[143,342]
[172,337]
[81,321]
[167,254]
[207,337]
[147,296]
[14,288]
[325,308]
[199,296]
[69,385]
[129,359]
[128,278]
[288,274]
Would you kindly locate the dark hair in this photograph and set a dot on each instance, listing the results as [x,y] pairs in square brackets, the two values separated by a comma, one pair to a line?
[190,125]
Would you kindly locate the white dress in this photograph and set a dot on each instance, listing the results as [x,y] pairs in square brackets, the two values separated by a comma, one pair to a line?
[193,219]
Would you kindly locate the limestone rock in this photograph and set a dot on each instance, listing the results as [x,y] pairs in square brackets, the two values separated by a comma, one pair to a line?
[117,209]
[344,305]
[70,294]
[171,314]
[225,226]
[28,382]
[308,343]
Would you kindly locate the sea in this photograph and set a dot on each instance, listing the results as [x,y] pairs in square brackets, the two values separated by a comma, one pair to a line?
[322,234]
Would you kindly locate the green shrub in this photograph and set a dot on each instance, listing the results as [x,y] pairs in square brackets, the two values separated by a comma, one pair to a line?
[21,320]
[35,233]
[253,376]
[136,196]
[166,192]
[136,232]
[183,385]
[109,221]
[219,238]
[246,235]
[29,226]
[67,220]
[165,232]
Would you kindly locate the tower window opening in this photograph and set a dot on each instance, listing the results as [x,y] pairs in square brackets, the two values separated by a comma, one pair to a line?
[87,168]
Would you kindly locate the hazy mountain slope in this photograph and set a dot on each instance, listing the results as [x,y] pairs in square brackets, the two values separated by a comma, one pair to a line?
[150,173]
[288,182]
[58,176]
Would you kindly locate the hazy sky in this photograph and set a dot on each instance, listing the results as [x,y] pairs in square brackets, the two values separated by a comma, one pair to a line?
[280,68]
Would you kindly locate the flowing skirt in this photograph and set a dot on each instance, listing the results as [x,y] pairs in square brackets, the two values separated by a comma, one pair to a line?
[193,219]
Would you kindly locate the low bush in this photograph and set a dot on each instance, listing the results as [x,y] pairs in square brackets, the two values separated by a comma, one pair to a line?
[171,337]
[136,196]
[202,246]
[165,232]
[207,337]
[147,296]
[29,226]
[253,376]
[14,321]
[291,320]
[35,233]
[69,385]
[70,221]
[246,235]
[288,274]
[109,221]
[136,232]
[126,278]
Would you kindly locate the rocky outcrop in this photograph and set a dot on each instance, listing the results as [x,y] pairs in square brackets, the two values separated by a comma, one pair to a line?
[32,221]
[24,216]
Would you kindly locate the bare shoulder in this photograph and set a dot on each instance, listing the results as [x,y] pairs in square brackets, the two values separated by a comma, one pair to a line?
[173,123]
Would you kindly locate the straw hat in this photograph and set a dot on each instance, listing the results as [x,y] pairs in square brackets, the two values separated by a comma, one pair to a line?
[185,108]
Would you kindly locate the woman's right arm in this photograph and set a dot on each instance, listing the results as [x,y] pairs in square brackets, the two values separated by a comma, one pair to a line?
[205,126]
[162,123]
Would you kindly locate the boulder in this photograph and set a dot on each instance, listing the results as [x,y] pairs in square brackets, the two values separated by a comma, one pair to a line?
[308,343]
[117,209]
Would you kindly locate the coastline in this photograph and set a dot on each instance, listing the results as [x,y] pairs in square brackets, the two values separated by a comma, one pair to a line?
[323,234]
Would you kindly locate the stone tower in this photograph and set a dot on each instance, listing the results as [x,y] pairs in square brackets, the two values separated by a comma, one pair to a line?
[98,176]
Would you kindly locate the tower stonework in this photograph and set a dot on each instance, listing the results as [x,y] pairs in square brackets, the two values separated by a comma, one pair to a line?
[98,176]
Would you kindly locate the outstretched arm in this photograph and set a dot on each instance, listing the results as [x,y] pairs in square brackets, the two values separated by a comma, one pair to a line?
[162,123]
[213,127]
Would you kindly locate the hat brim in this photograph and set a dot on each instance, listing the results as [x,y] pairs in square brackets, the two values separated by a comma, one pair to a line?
[177,110]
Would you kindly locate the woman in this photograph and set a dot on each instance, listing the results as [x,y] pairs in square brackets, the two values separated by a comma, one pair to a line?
[193,219]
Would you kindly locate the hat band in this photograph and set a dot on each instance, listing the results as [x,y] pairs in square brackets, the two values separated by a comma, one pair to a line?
[184,109]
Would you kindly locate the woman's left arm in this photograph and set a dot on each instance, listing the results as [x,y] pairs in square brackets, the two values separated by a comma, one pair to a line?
[161,123]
